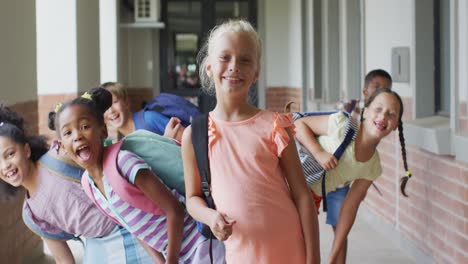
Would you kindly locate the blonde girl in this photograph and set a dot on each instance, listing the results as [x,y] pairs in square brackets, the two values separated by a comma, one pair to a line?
[264,210]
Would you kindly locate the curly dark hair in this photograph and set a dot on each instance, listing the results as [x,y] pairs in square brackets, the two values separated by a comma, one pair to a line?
[12,127]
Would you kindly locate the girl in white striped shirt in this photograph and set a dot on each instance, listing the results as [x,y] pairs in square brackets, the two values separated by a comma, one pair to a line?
[169,229]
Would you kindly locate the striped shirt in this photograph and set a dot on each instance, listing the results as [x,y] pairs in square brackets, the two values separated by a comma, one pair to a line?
[150,228]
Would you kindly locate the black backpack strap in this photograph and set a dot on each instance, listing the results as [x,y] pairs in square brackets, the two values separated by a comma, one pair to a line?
[200,147]
[350,135]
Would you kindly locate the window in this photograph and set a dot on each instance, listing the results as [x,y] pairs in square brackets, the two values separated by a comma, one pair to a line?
[442,57]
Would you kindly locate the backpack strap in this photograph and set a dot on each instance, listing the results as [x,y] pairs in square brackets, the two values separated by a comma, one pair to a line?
[87,189]
[349,136]
[126,191]
[200,147]
[297,115]
[63,169]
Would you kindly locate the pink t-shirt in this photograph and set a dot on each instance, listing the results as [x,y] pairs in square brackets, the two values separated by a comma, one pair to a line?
[61,205]
[249,186]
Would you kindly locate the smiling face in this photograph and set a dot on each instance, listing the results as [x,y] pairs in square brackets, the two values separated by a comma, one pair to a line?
[81,135]
[14,161]
[118,114]
[382,116]
[232,64]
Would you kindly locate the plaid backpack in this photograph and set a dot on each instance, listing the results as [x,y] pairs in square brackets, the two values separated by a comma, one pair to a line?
[313,172]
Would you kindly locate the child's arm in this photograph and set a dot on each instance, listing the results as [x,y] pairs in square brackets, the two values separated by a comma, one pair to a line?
[60,250]
[348,213]
[302,197]
[307,128]
[155,190]
[220,224]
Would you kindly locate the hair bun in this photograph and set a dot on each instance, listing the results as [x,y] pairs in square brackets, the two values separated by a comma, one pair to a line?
[51,120]
[102,98]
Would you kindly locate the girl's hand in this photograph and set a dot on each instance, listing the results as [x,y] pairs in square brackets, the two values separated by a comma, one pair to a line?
[326,160]
[222,226]
[172,128]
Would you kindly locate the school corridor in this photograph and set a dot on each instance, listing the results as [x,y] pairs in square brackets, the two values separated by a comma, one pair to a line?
[315,52]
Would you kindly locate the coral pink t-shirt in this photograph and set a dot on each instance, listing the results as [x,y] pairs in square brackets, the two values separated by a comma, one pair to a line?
[249,186]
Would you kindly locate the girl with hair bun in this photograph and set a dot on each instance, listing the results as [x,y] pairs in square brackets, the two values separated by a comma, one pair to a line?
[139,202]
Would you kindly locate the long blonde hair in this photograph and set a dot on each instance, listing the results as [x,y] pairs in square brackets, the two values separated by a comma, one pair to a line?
[231,26]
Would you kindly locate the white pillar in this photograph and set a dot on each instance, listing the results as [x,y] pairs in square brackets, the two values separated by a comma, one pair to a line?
[68,54]
[108,31]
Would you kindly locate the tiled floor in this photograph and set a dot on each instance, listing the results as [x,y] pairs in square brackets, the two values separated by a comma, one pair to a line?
[366,246]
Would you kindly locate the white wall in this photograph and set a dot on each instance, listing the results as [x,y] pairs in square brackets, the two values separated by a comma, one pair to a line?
[136,55]
[56,46]
[388,24]
[282,43]
[17,52]
[88,55]
[108,40]
[295,44]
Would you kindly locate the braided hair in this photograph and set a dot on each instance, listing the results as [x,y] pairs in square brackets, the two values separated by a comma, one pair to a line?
[408,174]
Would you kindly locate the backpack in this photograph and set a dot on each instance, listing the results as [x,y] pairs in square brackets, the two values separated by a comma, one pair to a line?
[60,169]
[170,105]
[162,154]
[313,172]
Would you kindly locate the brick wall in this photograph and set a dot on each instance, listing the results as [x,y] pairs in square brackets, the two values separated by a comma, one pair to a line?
[17,242]
[29,112]
[277,97]
[138,95]
[47,103]
[435,215]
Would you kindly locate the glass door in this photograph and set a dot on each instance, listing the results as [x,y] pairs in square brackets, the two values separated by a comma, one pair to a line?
[187,26]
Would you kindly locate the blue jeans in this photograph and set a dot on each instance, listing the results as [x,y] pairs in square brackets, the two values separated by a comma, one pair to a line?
[334,202]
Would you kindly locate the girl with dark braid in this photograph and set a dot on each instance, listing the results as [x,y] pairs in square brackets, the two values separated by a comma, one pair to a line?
[360,164]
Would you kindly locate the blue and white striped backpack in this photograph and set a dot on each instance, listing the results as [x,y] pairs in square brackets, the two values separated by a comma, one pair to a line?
[313,172]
